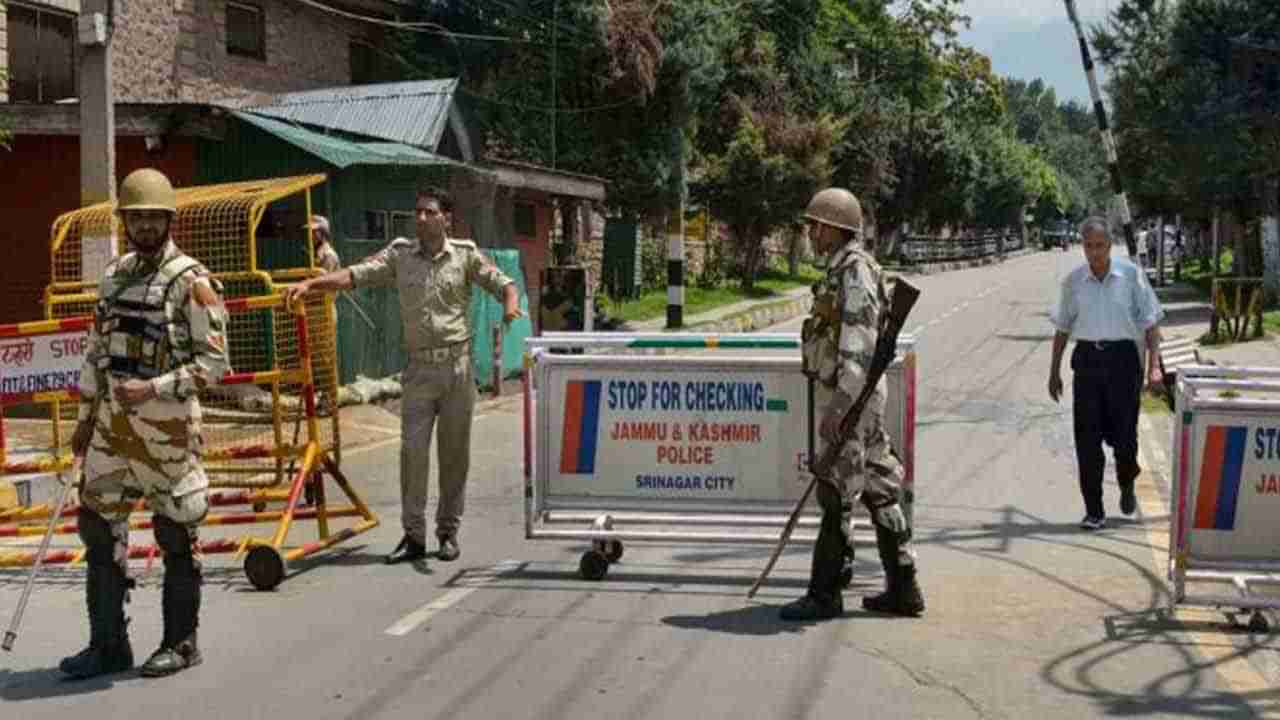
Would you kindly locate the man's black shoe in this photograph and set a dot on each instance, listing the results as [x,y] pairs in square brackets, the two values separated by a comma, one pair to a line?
[408,549]
[1128,501]
[449,550]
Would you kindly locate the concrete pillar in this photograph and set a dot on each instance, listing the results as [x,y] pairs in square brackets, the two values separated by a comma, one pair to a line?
[97,107]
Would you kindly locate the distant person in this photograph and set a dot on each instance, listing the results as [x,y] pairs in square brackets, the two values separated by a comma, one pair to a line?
[322,247]
[1105,304]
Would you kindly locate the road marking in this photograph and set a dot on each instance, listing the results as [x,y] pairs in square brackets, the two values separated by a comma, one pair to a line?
[408,623]
[1235,670]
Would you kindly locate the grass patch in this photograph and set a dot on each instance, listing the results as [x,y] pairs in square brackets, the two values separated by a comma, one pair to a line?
[771,285]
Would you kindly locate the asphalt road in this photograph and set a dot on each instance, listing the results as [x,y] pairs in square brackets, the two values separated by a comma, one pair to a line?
[1028,616]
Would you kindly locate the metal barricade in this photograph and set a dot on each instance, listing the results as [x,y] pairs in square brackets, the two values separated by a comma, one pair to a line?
[1226,488]
[247,448]
[699,438]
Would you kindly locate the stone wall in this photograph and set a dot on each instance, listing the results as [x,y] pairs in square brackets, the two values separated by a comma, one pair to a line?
[176,50]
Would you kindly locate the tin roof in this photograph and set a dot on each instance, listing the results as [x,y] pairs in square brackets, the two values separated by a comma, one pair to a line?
[342,152]
[411,113]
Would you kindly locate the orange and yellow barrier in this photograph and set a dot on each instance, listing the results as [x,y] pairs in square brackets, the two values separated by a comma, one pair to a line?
[292,377]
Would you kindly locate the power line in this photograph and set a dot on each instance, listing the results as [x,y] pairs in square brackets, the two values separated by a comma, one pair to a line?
[429,28]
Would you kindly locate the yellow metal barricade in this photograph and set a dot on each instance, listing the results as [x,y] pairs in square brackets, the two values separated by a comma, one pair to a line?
[271,426]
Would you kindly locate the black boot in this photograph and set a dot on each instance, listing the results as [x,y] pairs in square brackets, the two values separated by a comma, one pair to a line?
[824,600]
[180,605]
[902,594]
[811,607]
[109,650]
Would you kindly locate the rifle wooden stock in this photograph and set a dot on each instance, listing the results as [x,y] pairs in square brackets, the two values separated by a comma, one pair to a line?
[902,300]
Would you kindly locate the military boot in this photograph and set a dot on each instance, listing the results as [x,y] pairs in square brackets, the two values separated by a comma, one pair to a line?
[180,605]
[109,650]
[824,601]
[902,595]
[811,607]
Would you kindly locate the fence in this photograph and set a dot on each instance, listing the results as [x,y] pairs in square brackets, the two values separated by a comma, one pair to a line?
[918,250]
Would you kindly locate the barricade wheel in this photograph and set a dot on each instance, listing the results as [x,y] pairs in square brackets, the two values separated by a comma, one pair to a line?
[593,565]
[264,567]
[613,551]
[1258,623]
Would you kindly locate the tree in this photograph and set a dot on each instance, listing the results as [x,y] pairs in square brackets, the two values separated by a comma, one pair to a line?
[761,176]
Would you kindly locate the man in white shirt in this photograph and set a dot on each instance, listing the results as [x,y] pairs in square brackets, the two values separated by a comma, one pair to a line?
[1105,304]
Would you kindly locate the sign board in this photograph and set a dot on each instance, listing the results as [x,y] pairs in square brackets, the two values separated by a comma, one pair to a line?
[40,363]
[1233,494]
[667,431]
[664,428]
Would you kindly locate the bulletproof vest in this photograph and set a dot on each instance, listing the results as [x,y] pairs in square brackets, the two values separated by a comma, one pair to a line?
[820,333]
[134,317]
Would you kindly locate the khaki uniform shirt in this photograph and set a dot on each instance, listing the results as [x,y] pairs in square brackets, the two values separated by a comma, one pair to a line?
[327,258]
[435,292]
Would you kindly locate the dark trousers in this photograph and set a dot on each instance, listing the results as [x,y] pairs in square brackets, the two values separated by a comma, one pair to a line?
[1106,384]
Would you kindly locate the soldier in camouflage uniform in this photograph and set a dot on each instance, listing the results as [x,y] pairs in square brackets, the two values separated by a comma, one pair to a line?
[839,340]
[433,275]
[158,339]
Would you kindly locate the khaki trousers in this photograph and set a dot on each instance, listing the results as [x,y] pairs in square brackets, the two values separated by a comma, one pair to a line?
[444,394]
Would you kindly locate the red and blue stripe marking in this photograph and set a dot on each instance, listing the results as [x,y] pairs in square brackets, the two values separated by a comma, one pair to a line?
[1220,471]
[581,425]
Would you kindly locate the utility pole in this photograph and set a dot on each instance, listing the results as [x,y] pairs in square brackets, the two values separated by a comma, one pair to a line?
[555,36]
[97,104]
[675,225]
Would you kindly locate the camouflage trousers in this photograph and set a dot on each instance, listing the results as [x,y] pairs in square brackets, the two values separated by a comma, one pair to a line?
[107,490]
[868,469]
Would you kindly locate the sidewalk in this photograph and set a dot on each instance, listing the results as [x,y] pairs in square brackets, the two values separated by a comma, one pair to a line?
[1188,315]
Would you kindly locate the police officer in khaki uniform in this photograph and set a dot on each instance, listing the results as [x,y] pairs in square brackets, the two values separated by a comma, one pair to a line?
[839,340]
[158,339]
[322,243]
[433,275]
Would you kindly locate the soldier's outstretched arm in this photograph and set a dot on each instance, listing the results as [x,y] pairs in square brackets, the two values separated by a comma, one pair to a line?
[206,322]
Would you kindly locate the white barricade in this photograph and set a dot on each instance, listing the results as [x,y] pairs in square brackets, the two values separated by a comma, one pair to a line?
[709,446]
[1226,487]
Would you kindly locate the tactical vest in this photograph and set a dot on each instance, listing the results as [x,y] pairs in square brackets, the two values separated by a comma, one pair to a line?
[820,333]
[134,318]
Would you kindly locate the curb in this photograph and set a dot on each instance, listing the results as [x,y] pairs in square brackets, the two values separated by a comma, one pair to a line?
[757,317]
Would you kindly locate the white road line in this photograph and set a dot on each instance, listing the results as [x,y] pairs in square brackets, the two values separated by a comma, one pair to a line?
[408,623]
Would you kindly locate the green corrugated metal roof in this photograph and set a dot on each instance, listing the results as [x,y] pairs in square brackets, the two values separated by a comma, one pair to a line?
[344,153]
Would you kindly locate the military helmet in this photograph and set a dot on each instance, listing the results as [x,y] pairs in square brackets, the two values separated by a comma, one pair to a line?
[836,207]
[147,189]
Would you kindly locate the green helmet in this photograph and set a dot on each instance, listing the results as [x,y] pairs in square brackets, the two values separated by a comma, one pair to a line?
[147,189]
[836,207]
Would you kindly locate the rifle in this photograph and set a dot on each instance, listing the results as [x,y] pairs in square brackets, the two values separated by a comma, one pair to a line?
[902,300]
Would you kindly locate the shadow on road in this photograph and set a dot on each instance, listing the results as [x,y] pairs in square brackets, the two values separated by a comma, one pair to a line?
[51,683]
[753,620]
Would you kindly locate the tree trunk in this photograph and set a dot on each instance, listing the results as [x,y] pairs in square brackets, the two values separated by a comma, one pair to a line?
[793,252]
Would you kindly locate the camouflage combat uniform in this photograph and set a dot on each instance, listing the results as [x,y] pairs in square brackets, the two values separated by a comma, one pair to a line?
[435,302]
[160,319]
[839,343]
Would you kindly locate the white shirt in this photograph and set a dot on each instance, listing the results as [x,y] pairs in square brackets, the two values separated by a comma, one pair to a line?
[1121,306]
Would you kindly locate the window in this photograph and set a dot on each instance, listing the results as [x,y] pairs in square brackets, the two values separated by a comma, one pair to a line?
[403,224]
[42,55]
[526,220]
[375,225]
[246,30]
[364,63]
